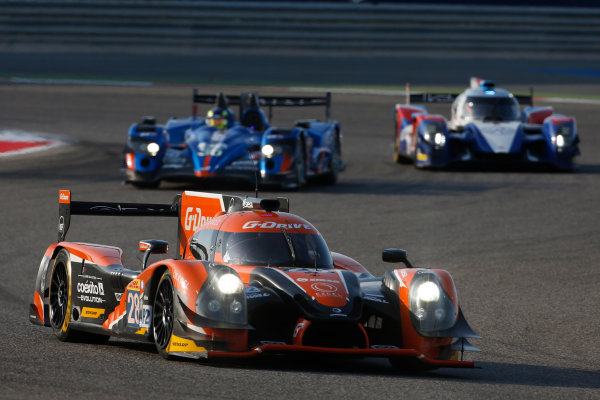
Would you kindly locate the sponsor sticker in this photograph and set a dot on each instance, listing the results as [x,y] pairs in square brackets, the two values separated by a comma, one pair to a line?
[89,312]
[273,225]
[64,196]
[90,291]
[179,344]
[194,218]
[135,285]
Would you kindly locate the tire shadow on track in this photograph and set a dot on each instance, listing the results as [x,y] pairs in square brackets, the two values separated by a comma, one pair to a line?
[484,372]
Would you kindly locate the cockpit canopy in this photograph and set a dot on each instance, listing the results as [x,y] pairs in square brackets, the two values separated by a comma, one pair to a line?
[277,249]
[259,238]
[469,108]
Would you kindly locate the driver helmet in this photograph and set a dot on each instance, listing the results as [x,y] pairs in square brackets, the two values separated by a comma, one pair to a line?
[221,118]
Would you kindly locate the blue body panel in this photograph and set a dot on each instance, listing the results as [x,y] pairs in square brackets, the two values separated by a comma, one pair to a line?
[189,149]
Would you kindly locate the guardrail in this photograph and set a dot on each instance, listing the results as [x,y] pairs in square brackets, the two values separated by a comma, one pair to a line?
[297,27]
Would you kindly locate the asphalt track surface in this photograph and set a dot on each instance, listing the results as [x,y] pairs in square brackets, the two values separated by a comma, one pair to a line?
[523,247]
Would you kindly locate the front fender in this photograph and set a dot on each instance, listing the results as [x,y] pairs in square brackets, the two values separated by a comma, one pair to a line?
[401,281]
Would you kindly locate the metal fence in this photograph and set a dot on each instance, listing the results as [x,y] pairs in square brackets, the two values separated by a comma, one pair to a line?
[360,29]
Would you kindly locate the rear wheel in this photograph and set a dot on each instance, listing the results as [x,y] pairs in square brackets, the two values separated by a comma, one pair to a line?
[60,297]
[163,314]
[60,304]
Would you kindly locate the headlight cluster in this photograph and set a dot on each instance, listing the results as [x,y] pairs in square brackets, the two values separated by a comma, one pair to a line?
[565,135]
[144,146]
[222,298]
[275,149]
[272,150]
[432,310]
[434,134]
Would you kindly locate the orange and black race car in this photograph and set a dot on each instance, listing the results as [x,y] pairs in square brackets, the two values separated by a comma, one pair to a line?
[249,278]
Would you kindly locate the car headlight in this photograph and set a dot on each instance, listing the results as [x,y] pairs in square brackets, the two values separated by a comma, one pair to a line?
[428,291]
[153,148]
[268,150]
[564,136]
[144,146]
[434,134]
[222,298]
[275,149]
[432,310]
[229,283]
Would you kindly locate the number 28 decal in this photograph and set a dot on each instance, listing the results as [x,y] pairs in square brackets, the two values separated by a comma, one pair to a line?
[136,316]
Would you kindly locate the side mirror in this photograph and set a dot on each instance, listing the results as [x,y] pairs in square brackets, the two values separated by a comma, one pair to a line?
[152,246]
[396,256]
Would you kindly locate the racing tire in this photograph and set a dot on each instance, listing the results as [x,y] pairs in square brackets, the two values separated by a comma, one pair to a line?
[336,159]
[300,164]
[399,158]
[163,314]
[60,304]
[60,297]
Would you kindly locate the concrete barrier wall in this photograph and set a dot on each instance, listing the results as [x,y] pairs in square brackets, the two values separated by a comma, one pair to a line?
[360,29]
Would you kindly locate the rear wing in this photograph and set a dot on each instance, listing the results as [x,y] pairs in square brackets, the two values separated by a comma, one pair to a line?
[450,97]
[190,208]
[245,99]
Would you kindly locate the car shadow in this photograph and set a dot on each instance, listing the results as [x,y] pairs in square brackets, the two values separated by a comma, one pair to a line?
[493,373]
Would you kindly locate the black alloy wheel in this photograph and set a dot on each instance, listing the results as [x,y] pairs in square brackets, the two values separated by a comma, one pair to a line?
[300,164]
[59,295]
[163,314]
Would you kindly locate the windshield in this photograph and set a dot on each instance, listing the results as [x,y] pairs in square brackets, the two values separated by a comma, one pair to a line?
[277,249]
[491,109]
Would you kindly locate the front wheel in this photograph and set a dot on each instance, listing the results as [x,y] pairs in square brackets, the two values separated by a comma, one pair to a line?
[335,163]
[163,314]
[300,164]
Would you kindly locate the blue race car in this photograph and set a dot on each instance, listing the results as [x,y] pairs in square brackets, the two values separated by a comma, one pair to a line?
[486,125]
[248,149]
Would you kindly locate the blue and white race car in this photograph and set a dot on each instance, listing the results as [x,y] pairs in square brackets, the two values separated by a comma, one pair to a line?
[247,149]
[486,125]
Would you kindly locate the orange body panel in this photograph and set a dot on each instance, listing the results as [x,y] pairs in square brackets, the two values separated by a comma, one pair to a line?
[195,211]
[428,346]
[344,262]
[95,253]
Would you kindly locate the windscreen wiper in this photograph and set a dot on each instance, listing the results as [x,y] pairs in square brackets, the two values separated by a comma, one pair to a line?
[288,240]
